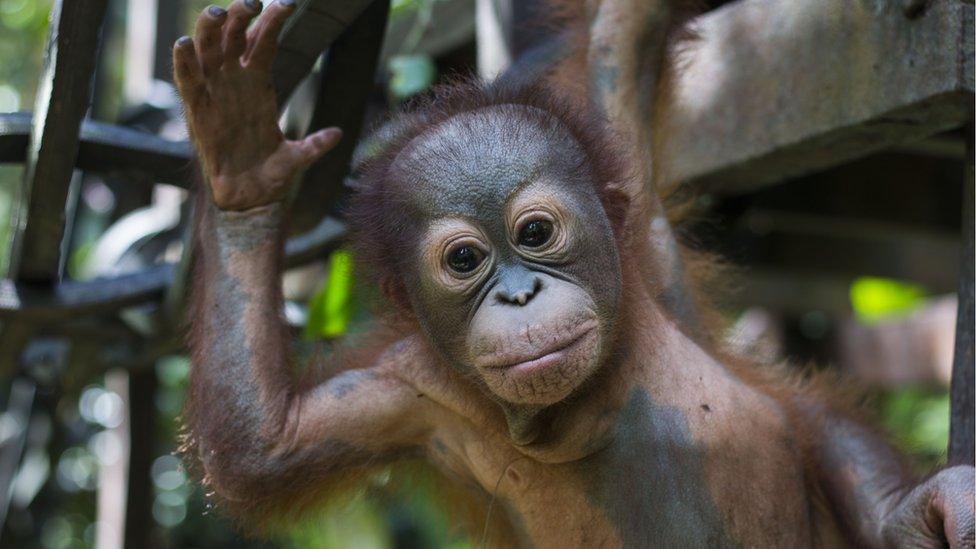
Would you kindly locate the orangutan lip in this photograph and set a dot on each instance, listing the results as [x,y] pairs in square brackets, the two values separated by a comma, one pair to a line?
[548,357]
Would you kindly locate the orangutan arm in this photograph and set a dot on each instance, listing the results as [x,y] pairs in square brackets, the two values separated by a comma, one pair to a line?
[875,497]
[626,59]
[263,442]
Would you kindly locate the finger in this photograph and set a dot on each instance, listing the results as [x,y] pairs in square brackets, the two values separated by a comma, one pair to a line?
[315,146]
[239,16]
[264,44]
[187,72]
[207,39]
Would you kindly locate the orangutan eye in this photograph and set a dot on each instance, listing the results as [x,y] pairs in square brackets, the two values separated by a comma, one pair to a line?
[465,259]
[535,233]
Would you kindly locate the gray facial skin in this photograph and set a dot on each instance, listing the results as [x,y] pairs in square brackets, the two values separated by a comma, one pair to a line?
[531,324]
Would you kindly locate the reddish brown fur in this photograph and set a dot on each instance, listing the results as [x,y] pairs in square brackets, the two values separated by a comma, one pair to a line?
[289,492]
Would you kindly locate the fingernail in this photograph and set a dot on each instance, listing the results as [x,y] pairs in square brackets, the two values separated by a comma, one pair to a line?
[216,11]
[184,41]
[287,3]
[253,5]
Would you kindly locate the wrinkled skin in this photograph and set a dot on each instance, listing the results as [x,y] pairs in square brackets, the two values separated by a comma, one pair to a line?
[520,386]
[522,307]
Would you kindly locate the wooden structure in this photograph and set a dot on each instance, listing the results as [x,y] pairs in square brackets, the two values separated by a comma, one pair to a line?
[772,92]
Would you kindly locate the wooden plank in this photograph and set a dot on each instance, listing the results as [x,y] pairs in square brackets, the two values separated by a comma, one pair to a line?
[771,90]
[106,148]
[63,97]
[313,27]
[347,82]
[963,405]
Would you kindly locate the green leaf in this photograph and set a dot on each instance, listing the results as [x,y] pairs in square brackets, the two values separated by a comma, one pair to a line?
[874,298]
[331,308]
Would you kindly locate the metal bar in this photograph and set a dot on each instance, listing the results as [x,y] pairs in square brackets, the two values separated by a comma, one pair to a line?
[63,98]
[772,90]
[348,80]
[963,405]
[106,148]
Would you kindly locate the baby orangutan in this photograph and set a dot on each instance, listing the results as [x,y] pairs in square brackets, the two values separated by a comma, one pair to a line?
[537,366]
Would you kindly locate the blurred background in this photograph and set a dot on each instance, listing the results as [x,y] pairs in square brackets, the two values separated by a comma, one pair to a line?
[849,266]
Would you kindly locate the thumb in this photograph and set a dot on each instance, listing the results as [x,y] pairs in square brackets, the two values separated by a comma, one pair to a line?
[314,146]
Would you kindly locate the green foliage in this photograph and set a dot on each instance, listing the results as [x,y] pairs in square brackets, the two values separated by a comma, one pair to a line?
[874,298]
[918,417]
[23,26]
[412,74]
[331,308]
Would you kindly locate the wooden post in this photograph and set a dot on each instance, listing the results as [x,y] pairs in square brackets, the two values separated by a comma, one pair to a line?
[342,97]
[961,439]
[141,409]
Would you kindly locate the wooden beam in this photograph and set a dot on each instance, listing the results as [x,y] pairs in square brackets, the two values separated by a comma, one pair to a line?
[348,78]
[771,90]
[63,97]
[21,302]
[790,291]
[822,245]
[140,405]
[312,29]
[106,148]
[71,299]
[963,406]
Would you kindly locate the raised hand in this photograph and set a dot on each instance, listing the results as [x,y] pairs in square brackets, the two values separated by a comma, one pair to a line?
[224,77]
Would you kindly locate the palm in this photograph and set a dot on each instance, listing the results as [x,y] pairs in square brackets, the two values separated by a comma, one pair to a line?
[224,77]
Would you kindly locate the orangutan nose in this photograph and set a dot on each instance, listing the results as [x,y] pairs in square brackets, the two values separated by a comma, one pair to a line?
[518,288]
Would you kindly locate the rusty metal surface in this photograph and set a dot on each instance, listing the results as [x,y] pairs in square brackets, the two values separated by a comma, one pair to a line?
[770,90]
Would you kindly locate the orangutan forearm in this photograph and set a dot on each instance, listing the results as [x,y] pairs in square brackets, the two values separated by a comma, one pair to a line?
[240,351]
[251,421]
[860,473]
